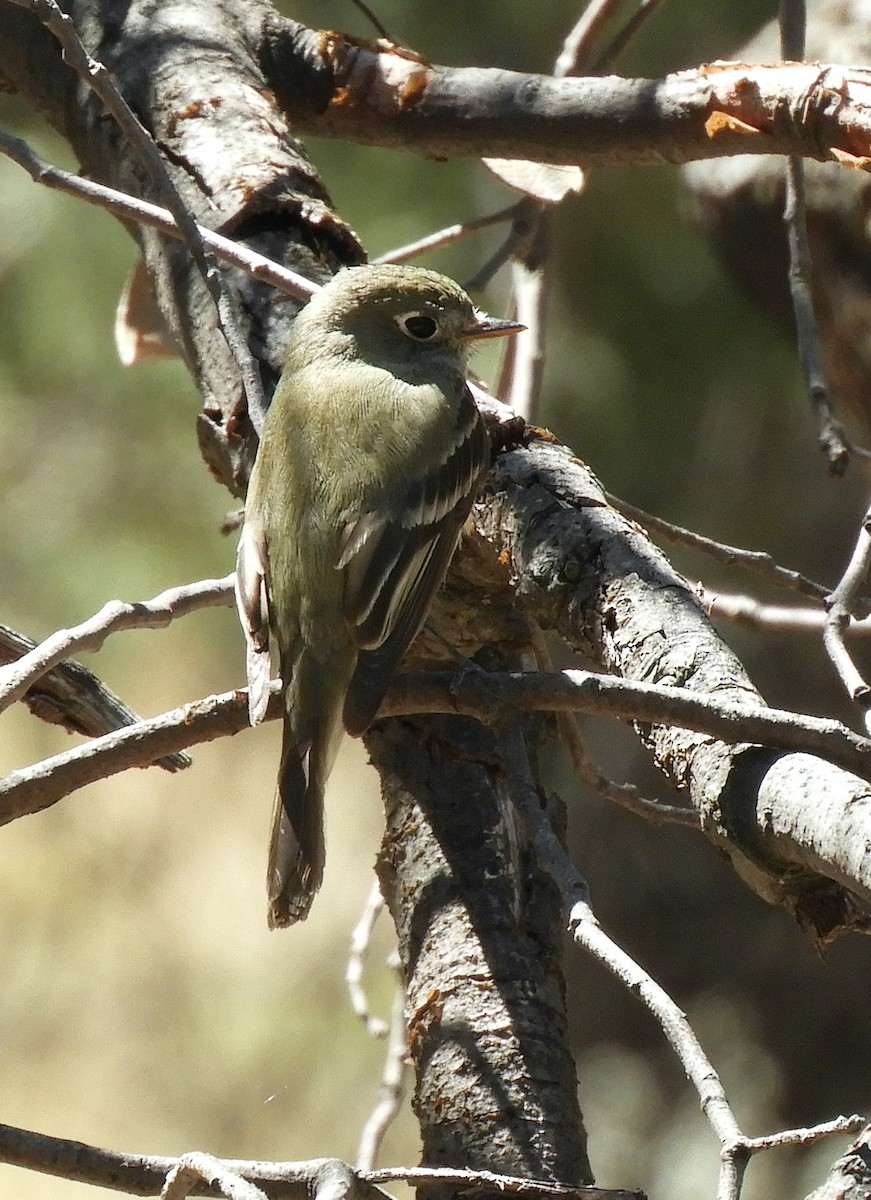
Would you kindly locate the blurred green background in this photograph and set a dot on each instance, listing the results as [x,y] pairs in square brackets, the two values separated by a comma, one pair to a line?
[143,1005]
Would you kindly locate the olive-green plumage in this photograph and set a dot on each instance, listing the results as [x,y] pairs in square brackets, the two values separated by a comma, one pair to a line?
[371,455]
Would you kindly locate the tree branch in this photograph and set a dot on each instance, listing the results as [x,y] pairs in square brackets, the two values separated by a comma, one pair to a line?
[821,846]
[144,1174]
[72,696]
[16,678]
[784,819]
[383,96]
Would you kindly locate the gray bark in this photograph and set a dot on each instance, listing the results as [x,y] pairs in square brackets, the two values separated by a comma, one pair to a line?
[194,71]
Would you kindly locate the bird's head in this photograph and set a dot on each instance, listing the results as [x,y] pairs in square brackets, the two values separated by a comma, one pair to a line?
[391,313]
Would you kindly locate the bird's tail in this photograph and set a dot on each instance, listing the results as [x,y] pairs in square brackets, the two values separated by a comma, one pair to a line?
[296,848]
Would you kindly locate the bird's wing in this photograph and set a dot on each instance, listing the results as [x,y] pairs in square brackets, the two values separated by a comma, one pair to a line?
[252,601]
[395,559]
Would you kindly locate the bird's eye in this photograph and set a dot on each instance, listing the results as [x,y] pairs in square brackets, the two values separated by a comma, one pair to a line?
[418,326]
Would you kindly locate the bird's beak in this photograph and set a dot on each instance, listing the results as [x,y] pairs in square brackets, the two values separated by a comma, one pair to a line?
[491,327]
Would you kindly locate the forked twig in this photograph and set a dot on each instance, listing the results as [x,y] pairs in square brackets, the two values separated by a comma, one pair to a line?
[624,794]
[841,605]
[196,1168]
[156,613]
[587,933]
[391,1092]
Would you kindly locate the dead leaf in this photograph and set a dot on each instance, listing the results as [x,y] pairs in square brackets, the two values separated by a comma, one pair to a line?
[140,330]
[547,182]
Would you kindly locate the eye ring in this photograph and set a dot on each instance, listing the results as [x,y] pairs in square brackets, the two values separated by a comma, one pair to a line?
[419,326]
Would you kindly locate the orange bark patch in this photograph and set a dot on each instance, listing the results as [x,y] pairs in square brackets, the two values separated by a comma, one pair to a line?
[721,122]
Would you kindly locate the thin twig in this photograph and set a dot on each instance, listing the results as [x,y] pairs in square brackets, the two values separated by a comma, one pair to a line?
[392,1090]
[804,1137]
[361,936]
[156,613]
[443,237]
[841,604]
[587,932]
[133,209]
[72,696]
[376,24]
[792,19]
[145,1174]
[488,1181]
[522,228]
[604,61]
[522,371]
[96,76]
[585,35]
[757,561]
[624,794]
[771,618]
[831,436]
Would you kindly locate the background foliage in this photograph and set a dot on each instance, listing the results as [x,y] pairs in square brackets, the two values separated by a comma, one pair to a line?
[143,1004]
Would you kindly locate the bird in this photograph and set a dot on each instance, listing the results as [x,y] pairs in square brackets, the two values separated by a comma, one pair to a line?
[371,455]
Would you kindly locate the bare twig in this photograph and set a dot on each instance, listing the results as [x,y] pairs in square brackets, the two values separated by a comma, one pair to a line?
[757,561]
[72,696]
[488,1181]
[523,364]
[850,1174]
[624,794]
[195,1168]
[841,604]
[523,227]
[360,937]
[157,613]
[771,618]
[587,932]
[479,694]
[736,1148]
[793,25]
[133,209]
[373,19]
[444,237]
[145,1174]
[392,1089]
[806,1136]
[585,35]
[792,37]
[831,435]
[604,60]
[100,81]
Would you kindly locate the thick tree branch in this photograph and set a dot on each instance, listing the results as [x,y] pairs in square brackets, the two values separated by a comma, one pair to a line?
[784,819]
[334,87]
